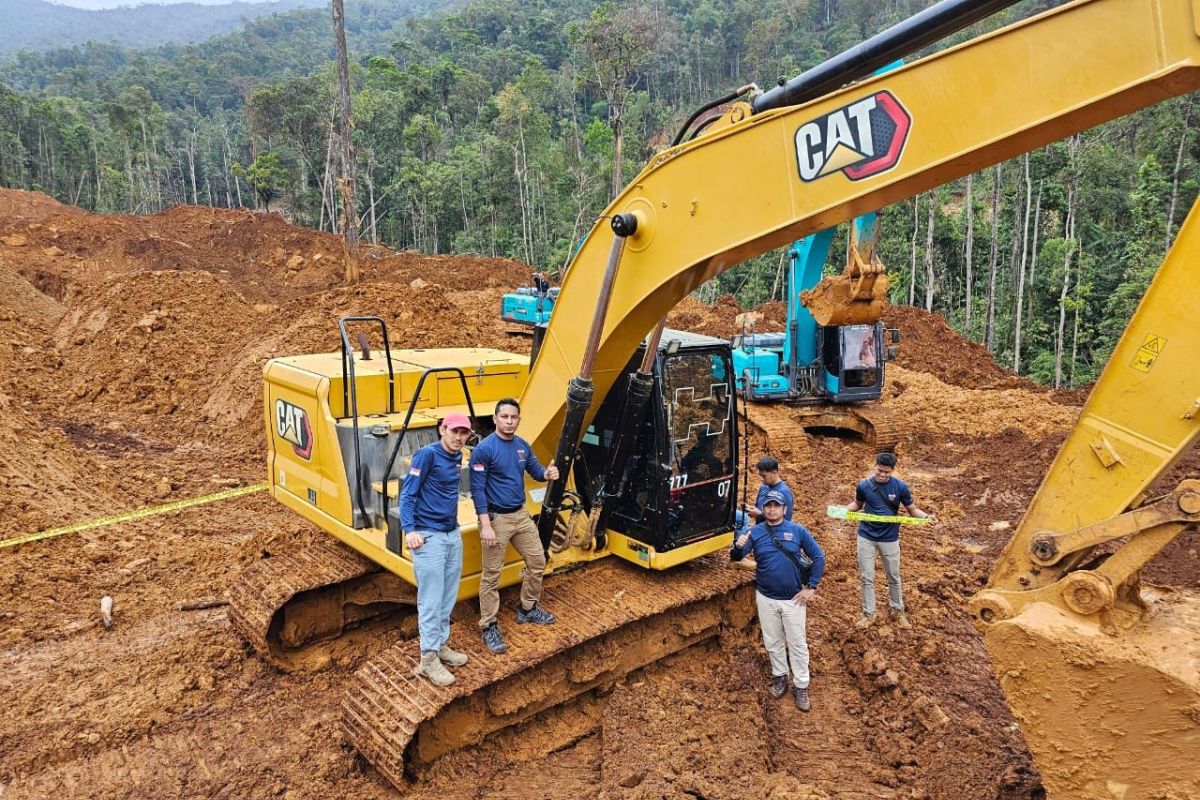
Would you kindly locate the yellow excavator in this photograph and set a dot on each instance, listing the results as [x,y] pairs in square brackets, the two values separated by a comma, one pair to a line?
[1101,672]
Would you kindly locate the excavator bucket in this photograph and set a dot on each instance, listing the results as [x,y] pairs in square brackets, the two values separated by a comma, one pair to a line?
[859,295]
[1107,716]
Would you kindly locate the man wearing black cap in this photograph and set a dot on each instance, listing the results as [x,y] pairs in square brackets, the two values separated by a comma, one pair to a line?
[790,564]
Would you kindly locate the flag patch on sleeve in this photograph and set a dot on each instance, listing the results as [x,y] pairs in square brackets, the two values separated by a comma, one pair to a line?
[415,472]
[478,467]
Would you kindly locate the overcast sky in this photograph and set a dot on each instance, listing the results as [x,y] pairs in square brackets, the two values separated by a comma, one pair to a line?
[94,4]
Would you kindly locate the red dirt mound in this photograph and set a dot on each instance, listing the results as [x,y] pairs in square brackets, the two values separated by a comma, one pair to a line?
[930,345]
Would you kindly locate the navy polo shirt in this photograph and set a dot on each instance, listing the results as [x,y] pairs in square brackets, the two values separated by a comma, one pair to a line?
[884,499]
[429,496]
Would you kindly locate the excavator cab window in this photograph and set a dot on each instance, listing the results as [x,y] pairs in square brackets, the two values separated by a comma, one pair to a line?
[860,365]
[701,442]
[680,484]
[853,357]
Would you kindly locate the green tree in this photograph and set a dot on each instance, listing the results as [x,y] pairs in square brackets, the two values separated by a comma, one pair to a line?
[268,176]
[614,44]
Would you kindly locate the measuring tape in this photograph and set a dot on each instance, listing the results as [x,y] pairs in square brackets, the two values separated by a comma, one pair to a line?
[131,515]
[840,512]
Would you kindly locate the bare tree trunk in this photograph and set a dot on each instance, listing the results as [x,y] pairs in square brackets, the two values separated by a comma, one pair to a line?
[969,257]
[1018,317]
[989,331]
[371,198]
[346,181]
[778,282]
[230,178]
[1069,235]
[149,170]
[930,278]
[99,177]
[191,157]
[227,174]
[1030,310]
[79,189]
[912,269]
[327,188]
[462,199]
[1183,136]
[129,172]
[521,175]
[1078,305]
[618,135]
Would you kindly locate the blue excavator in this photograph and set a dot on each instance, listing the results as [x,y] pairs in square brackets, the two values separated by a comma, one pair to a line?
[830,360]
[530,305]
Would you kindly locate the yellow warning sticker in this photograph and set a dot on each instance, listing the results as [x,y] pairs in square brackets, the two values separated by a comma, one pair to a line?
[1148,353]
[1153,344]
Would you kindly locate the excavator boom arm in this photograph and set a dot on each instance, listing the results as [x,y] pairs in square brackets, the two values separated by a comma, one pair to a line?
[1141,416]
[765,180]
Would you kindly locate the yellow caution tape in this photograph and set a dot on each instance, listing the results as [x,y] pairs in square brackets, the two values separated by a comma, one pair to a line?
[840,512]
[131,515]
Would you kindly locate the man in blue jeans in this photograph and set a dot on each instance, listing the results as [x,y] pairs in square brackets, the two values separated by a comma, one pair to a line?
[883,494]
[429,519]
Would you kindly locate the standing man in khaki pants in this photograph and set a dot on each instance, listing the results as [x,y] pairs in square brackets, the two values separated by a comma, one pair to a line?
[498,467]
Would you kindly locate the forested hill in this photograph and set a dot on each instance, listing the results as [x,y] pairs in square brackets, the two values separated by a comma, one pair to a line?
[38,25]
[502,127]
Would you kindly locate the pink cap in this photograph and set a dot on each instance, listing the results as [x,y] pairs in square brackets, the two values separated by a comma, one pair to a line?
[453,421]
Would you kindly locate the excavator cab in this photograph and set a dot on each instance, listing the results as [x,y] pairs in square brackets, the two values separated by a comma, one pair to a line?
[681,476]
[852,358]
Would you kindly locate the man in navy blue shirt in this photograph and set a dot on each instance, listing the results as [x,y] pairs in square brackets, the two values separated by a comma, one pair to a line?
[768,471]
[883,494]
[498,468]
[789,568]
[429,519]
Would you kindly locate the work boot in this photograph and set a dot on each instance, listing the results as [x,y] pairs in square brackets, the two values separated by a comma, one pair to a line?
[494,639]
[864,621]
[431,667]
[536,614]
[778,686]
[451,658]
[802,701]
[901,620]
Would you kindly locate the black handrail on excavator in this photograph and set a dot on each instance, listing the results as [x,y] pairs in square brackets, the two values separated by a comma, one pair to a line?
[412,405]
[350,391]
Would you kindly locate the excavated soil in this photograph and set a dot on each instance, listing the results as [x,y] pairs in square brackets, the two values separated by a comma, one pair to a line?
[131,351]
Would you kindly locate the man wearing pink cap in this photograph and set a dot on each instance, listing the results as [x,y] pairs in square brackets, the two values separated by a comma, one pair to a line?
[429,519]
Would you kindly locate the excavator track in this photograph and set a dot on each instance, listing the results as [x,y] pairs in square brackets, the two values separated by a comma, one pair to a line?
[883,432]
[613,618]
[285,603]
[785,426]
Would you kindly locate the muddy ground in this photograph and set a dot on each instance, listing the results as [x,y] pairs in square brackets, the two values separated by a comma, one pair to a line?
[131,351]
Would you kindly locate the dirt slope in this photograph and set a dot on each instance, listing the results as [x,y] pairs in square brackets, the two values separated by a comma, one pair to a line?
[131,351]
